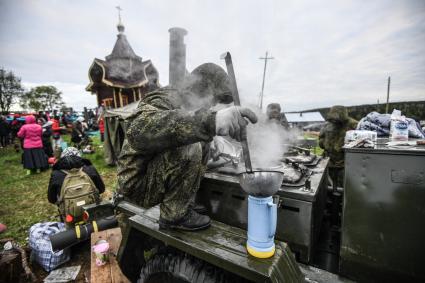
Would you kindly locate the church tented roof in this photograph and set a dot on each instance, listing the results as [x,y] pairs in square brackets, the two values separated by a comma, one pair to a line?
[122,68]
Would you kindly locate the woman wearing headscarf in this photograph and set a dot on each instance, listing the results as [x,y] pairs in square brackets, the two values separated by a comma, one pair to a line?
[34,158]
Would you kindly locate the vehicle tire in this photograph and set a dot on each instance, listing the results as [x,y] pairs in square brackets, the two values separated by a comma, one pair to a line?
[183,268]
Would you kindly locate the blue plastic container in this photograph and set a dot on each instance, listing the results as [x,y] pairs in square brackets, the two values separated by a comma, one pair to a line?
[262,217]
[64,145]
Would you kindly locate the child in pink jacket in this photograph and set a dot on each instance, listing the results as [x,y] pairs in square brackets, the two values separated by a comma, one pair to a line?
[34,158]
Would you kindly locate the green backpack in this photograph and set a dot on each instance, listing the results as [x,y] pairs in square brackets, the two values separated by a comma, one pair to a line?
[77,190]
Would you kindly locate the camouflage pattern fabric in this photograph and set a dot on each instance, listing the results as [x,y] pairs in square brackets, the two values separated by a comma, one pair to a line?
[331,137]
[162,160]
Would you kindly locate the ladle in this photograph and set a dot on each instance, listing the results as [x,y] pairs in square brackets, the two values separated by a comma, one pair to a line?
[257,182]
[244,140]
[260,185]
[261,182]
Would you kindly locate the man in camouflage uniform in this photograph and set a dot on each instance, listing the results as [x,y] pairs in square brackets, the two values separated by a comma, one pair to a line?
[164,155]
[331,139]
[274,114]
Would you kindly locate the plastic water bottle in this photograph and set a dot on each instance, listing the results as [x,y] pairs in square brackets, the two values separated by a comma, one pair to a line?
[399,127]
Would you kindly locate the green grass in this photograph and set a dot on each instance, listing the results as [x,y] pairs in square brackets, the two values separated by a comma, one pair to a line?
[313,135]
[23,198]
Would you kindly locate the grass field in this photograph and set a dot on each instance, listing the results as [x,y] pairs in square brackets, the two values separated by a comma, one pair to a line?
[23,198]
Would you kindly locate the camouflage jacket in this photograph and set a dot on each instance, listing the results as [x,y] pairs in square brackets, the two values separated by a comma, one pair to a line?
[158,125]
[331,139]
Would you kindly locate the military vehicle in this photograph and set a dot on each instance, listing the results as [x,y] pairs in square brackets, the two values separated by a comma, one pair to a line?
[376,236]
[370,231]
[218,254]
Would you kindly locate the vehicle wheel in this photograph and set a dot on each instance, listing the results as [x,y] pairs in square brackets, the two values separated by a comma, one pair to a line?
[182,268]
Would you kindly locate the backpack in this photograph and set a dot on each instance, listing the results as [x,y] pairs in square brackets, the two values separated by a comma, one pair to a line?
[77,190]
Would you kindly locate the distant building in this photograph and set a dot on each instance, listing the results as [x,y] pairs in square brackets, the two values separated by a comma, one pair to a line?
[302,119]
[123,77]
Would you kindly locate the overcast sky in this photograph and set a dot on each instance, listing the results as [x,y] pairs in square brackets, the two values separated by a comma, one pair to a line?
[326,52]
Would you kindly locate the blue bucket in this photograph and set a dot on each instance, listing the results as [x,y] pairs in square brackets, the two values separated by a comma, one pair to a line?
[262,218]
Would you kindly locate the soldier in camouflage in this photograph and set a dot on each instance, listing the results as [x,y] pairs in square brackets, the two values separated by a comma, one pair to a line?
[274,114]
[331,139]
[164,155]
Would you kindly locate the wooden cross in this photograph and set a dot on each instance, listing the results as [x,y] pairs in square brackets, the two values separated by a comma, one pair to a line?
[119,12]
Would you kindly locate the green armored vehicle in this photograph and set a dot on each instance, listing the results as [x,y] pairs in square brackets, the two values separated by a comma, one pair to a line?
[310,247]
[219,253]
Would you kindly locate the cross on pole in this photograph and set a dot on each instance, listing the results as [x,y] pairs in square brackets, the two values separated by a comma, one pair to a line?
[264,77]
[119,12]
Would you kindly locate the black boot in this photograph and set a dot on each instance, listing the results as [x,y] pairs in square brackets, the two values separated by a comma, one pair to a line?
[192,221]
[200,208]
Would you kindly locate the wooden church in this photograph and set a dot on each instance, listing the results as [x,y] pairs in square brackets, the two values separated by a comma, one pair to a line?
[123,77]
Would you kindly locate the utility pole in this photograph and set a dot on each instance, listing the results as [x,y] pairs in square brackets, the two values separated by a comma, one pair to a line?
[264,77]
[388,95]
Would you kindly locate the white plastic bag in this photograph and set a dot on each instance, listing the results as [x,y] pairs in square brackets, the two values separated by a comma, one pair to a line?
[354,135]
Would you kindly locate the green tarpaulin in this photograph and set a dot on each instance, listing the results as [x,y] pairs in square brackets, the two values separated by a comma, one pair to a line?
[115,128]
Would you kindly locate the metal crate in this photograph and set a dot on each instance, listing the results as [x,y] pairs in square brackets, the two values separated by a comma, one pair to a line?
[383,224]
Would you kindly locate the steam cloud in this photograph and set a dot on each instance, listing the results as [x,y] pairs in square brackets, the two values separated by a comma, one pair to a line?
[267,141]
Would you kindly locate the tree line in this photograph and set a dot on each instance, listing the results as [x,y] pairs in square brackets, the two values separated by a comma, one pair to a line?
[39,98]
[411,109]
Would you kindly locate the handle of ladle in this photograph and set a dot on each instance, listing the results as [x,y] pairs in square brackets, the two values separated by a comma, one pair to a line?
[245,150]
[237,102]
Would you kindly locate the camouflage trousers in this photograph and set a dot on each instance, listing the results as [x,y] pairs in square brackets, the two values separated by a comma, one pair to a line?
[172,179]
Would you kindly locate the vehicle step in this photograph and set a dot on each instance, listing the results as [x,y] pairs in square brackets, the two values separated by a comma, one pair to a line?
[223,246]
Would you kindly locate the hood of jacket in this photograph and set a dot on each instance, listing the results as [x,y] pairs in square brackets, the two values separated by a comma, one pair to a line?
[69,162]
[30,119]
[337,114]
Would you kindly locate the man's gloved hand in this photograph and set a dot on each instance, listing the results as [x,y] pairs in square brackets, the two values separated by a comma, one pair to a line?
[230,121]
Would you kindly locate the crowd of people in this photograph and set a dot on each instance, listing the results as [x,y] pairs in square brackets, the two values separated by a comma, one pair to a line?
[40,139]
[39,135]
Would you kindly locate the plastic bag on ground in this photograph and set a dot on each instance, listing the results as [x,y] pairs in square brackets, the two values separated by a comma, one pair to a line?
[39,241]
